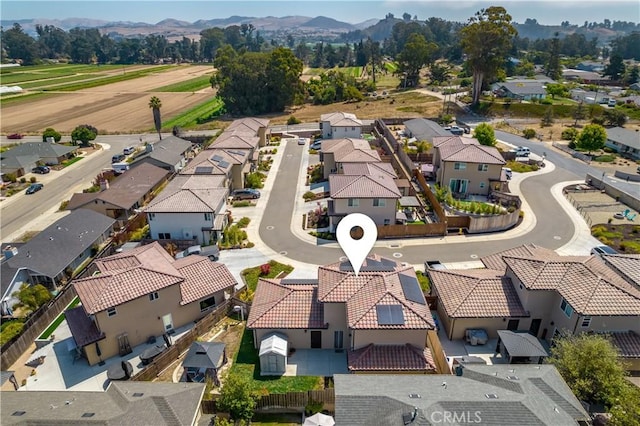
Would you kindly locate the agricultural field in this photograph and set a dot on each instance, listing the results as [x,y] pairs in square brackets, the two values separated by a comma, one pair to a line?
[115,102]
[193,85]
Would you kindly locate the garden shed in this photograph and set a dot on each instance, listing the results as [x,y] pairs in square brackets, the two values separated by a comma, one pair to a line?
[273,355]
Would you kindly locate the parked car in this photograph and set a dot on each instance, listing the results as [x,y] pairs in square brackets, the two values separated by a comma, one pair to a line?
[317,145]
[455,130]
[600,250]
[117,158]
[302,141]
[41,170]
[508,172]
[129,150]
[522,151]
[120,168]
[212,252]
[434,264]
[15,136]
[245,194]
[34,187]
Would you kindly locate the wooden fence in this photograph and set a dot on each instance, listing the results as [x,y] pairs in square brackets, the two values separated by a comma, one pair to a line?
[165,359]
[426,190]
[33,327]
[437,353]
[421,230]
[285,402]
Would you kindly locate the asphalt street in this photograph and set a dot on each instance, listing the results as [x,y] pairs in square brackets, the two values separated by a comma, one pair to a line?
[553,228]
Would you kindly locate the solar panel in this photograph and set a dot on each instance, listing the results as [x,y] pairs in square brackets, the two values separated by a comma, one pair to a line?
[411,289]
[237,152]
[203,170]
[216,158]
[346,267]
[383,265]
[390,315]
[223,164]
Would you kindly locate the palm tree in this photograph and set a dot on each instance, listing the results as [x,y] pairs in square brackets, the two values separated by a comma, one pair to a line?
[155,104]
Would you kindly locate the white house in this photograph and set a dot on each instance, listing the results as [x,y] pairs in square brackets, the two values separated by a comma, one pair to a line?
[337,125]
[189,208]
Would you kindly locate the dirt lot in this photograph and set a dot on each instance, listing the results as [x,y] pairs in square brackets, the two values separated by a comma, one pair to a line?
[115,108]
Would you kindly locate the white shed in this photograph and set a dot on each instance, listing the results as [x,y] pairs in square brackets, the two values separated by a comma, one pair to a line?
[273,355]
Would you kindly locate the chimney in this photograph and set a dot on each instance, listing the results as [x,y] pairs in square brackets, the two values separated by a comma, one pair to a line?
[104,185]
[9,252]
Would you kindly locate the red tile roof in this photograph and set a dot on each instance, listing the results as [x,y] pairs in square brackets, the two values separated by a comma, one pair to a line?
[351,150]
[628,343]
[366,186]
[288,306]
[476,293]
[467,150]
[391,358]
[494,261]
[126,276]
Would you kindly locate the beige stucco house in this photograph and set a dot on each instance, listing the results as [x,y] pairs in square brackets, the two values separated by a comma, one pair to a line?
[533,289]
[256,126]
[142,293]
[373,195]
[380,317]
[335,153]
[336,125]
[465,166]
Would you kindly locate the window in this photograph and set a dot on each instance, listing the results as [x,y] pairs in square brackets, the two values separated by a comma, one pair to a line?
[207,303]
[153,296]
[378,202]
[353,202]
[151,216]
[483,167]
[164,236]
[460,166]
[566,308]
[207,217]
[111,312]
[481,184]
[586,322]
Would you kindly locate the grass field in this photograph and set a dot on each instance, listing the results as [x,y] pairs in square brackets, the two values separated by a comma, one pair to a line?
[355,72]
[192,85]
[197,115]
[111,79]
[52,82]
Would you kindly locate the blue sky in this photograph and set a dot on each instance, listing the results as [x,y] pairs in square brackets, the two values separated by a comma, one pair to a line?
[354,11]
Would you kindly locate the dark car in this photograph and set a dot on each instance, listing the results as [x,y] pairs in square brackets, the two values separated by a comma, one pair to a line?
[600,250]
[245,194]
[117,158]
[15,136]
[41,170]
[34,187]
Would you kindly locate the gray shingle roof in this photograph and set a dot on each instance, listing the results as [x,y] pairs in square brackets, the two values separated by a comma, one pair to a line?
[626,137]
[538,396]
[524,88]
[205,355]
[522,344]
[55,247]
[38,149]
[123,403]
[424,130]
[168,151]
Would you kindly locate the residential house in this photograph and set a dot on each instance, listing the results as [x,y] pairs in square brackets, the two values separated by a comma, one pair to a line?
[123,403]
[339,125]
[533,289]
[207,163]
[635,86]
[335,153]
[25,156]
[191,207]
[522,90]
[424,130]
[238,140]
[52,255]
[374,195]
[380,317]
[590,66]
[171,153]
[235,162]
[254,126]
[587,77]
[626,142]
[465,166]
[493,395]
[125,195]
[141,293]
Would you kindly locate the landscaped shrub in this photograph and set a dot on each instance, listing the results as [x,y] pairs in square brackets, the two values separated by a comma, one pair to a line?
[309,195]
[293,120]
[10,177]
[529,133]
[244,222]
[254,180]
[23,180]
[265,269]
[570,134]
[32,179]
[605,158]
[572,145]
[243,203]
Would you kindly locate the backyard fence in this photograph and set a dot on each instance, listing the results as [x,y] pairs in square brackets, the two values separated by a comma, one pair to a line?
[34,326]
[161,362]
[285,402]
[437,353]
[406,231]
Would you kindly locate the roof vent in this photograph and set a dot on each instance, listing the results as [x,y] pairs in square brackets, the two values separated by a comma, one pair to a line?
[138,394]
[512,377]
[491,395]
[18,413]
[414,395]
[88,415]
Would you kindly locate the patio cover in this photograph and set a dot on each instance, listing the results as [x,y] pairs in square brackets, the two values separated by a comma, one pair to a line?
[409,201]
[205,355]
[274,344]
[521,344]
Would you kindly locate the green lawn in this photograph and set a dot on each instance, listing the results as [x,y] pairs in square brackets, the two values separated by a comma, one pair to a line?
[67,163]
[192,85]
[56,322]
[247,364]
[73,86]
[197,115]
[251,275]
[519,167]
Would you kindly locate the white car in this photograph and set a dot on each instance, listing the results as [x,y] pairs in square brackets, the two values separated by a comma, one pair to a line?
[317,145]
[212,252]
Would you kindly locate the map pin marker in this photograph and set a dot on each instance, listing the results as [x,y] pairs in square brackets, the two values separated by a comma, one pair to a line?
[356,250]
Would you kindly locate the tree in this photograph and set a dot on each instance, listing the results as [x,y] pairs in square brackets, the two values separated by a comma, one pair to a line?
[32,296]
[634,75]
[51,133]
[486,40]
[417,53]
[614,117]
[616,67]
[155,104]
[84,133]
[439,73]
[557,89]
[485,135]
[547,118]
[237,398]
[592,137]
[553,68]
[579,113]
[18,45]
[589,364]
